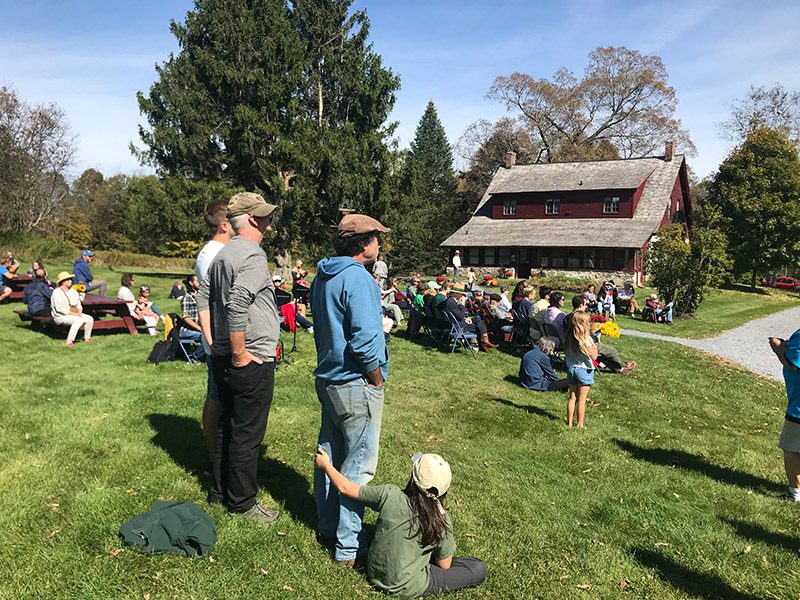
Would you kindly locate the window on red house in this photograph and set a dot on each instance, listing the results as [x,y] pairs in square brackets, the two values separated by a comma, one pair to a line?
[553,206]
[472,256]
[509,207]
[611,205]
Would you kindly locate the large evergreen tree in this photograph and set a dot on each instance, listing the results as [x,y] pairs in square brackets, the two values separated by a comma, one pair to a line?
[267,96]
[426,211]
[755,200]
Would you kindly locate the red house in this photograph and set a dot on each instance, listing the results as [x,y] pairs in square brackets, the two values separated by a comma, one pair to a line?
[591,219]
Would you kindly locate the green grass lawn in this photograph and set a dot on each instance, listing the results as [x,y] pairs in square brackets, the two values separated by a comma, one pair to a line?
[672,491]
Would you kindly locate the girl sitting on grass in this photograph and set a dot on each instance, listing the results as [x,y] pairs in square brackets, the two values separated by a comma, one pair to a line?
[581,354]
[412,552]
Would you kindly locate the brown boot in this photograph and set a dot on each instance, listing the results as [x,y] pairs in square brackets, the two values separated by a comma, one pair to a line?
[486,345]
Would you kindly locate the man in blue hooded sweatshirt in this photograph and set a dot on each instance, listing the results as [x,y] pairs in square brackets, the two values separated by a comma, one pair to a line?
[352,364]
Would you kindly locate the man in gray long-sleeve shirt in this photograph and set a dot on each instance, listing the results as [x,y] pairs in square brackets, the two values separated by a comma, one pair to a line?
[239,318]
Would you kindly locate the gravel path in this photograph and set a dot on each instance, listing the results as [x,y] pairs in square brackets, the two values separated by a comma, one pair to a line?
[745,345]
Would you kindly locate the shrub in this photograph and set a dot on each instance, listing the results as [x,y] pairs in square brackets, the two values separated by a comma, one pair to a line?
[31,245]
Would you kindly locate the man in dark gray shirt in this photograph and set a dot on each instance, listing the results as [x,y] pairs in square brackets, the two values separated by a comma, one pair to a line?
[239,318]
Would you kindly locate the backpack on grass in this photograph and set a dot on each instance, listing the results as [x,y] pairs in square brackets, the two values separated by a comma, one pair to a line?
[167,349]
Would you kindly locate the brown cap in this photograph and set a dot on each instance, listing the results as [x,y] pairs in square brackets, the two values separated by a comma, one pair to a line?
[353,224]
[248,203]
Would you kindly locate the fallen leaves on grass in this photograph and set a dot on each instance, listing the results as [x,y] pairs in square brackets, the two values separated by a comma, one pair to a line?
[624,584]
[584,586]
[115,553]
[27,435]
[288,588]
[662,544]
[281,533]
[55,531]
[747,549]
[263,571]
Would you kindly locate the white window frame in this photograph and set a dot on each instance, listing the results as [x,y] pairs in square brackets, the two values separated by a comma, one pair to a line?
[552,206]
[509,208]
[611,205]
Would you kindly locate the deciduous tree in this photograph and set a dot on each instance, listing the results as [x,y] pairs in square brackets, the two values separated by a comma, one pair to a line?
[755,201]
[36,152]
[622,107]
[774,107]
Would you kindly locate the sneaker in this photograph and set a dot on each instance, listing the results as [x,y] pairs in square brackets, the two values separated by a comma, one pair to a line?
[310,330]
[260,513]
[70,344]
[628,367]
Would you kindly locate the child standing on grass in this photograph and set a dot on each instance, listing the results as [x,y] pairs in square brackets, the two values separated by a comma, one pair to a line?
[581,354]
[412,552]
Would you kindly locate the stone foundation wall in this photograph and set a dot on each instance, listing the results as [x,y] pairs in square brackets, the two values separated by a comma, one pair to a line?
[619,277]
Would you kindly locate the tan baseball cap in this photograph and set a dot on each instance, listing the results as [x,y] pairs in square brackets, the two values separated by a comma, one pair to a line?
[354,223]
[248,203]
[431,472]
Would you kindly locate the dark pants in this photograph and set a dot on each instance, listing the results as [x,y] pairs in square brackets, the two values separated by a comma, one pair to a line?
[558,386]
[477,325]
[246,396]
[609,356]
[463,573]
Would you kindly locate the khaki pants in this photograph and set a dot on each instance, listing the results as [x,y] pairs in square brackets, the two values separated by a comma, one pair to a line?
[75,322]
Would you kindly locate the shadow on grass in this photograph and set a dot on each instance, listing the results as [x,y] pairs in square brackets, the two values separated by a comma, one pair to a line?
[698,464]
[290,488]
[182,438]
[534,410]
[752,531]
[691,582]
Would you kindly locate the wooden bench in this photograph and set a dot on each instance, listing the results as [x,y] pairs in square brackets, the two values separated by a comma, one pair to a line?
[43,320]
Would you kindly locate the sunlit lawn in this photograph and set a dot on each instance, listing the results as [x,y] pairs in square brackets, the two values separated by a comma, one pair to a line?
[671,492]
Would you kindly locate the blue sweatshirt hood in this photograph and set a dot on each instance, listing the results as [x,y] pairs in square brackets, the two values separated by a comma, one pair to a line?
[330,267]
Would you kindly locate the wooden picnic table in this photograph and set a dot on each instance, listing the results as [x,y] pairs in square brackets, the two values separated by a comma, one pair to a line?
[17,285]
[104,306]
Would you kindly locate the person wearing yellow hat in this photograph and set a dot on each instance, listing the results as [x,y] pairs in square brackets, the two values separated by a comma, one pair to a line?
[66,309]
[412,551]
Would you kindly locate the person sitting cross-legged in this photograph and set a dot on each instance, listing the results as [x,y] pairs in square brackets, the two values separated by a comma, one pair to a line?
[66,309]
[191,330]
[536,371]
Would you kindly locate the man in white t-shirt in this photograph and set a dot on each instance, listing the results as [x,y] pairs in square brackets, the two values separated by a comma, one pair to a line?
[216,217]
[456,264]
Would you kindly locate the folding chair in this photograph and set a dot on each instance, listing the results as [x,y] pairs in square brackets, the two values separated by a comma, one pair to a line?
[459,337]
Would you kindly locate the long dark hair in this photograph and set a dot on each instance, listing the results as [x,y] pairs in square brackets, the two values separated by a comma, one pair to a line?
[519,292]
[427,521]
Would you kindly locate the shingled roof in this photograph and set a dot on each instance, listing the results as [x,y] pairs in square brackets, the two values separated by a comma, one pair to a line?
[660,174]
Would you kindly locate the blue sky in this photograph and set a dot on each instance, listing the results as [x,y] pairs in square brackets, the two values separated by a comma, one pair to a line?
[91,57]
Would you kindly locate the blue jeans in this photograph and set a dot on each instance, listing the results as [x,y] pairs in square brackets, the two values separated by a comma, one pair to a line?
[668,310]
[350,434]
[193,335]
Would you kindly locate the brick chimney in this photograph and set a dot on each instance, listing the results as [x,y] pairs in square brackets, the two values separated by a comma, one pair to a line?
[669,150]
[510,160]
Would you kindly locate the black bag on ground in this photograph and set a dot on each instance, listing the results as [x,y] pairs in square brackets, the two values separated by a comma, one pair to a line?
[167,350]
